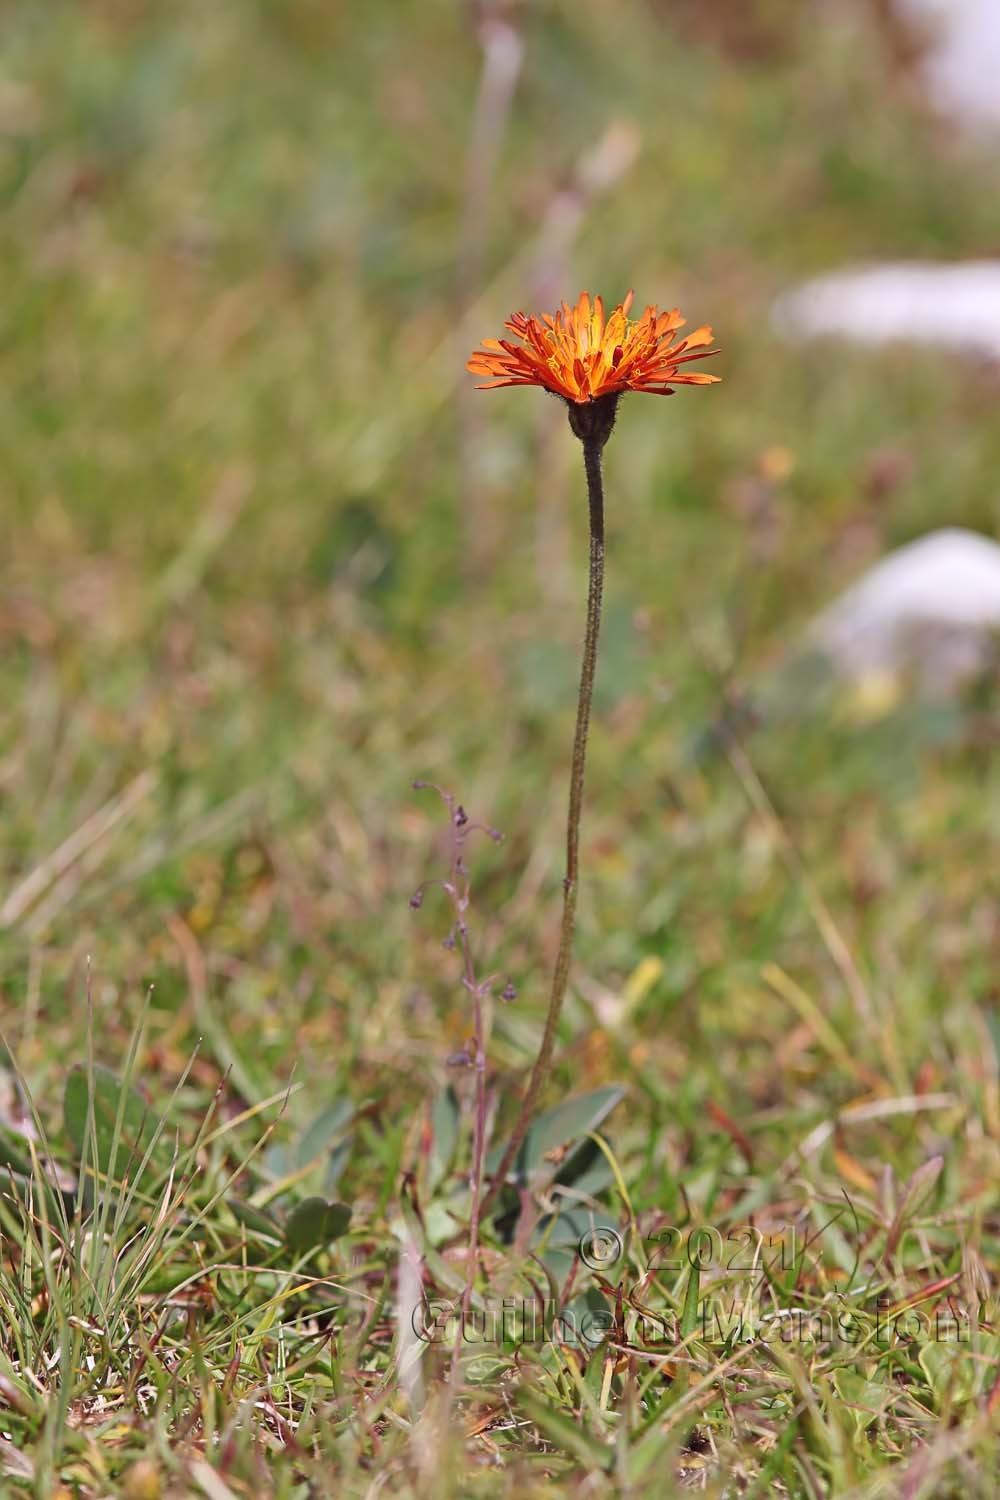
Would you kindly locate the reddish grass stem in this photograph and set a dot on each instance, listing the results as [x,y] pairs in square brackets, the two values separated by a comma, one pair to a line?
[457,888]
[478,1132]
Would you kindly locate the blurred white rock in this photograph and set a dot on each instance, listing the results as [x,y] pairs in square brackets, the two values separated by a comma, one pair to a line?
[956,306]
[961,67]
[929,611]
[953,306]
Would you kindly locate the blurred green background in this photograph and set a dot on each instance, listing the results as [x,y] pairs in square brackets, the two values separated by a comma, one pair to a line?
[267,558]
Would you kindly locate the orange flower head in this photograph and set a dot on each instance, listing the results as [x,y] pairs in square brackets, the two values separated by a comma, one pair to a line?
[579,355]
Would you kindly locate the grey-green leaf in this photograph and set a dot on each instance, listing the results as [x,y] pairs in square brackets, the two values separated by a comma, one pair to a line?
[123,1123]
[315,1223]
[444,1134]
[560,1127]
[324,1132]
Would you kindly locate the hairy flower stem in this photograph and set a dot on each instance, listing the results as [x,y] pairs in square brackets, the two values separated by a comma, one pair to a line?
[478,1150]
[592,447]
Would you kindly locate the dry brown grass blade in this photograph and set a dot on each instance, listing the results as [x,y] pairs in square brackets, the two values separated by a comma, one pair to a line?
[84,839]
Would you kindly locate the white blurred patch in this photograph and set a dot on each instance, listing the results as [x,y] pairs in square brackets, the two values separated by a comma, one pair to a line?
[930,609]
[956,306]
[961,68]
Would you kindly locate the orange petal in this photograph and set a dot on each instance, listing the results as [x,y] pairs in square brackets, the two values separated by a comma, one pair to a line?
[698,339]
[666,322]
[494,385]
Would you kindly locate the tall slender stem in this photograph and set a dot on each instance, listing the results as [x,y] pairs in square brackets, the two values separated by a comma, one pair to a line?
[478,1151]
[592,448]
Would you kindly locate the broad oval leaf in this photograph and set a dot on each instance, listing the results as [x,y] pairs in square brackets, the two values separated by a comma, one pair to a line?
[444,1134]
[124,1126]
[556,1132]
[315,1223]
